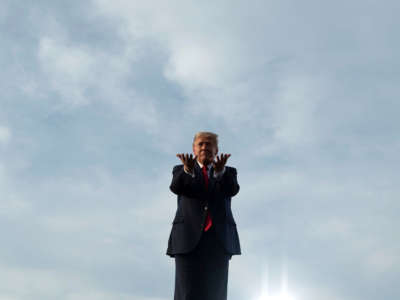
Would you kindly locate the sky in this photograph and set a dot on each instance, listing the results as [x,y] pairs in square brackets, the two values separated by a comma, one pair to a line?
[97,97]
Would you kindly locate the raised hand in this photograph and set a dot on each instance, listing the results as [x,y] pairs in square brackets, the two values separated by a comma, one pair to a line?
[220,161]
[188,161]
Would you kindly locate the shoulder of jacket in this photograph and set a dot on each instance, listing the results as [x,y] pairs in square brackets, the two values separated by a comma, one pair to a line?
[231,169]
[176,167]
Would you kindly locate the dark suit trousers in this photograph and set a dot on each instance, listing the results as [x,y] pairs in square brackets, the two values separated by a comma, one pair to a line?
[203,273]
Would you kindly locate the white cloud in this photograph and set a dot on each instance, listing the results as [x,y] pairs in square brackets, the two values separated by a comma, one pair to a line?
[5,135]
[71,70]
[195,66]
[383,260]
[96,295]
[12,202]
[73,62]
[83,75]
[21,283]
[200,56]
[294,114]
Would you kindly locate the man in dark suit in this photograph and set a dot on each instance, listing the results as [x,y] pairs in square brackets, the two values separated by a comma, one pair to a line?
[203,236]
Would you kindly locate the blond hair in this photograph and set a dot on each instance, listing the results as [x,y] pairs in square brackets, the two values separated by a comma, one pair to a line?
[211,135]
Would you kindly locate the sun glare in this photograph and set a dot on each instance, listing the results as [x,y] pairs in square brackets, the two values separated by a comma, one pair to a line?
[273,292]
[280,296]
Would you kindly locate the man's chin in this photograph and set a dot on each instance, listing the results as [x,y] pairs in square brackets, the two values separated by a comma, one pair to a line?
[205,160]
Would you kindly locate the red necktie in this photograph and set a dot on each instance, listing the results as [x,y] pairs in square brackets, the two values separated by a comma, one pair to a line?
[208,218]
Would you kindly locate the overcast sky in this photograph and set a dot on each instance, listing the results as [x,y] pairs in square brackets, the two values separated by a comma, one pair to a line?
[98,96]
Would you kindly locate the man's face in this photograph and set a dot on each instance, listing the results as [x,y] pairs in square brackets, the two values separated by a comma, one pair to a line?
[205,149]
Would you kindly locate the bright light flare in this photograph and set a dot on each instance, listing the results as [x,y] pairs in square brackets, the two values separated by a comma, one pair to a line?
[281,296]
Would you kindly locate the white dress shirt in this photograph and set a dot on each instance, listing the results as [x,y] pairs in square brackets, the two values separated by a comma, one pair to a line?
[217,175]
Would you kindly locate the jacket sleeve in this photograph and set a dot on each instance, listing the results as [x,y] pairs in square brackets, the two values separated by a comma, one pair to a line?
[184,184]
[228,183]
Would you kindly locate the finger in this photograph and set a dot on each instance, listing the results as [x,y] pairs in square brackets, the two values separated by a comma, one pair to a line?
[226,156]
[224,159]
[181,157]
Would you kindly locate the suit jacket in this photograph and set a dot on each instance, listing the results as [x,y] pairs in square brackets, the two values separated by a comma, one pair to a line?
[194,200]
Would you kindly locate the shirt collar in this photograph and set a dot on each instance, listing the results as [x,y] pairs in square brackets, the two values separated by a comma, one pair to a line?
[201,165]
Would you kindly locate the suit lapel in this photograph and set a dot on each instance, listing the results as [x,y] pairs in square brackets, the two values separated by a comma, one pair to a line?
[211,180]
[199,173]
